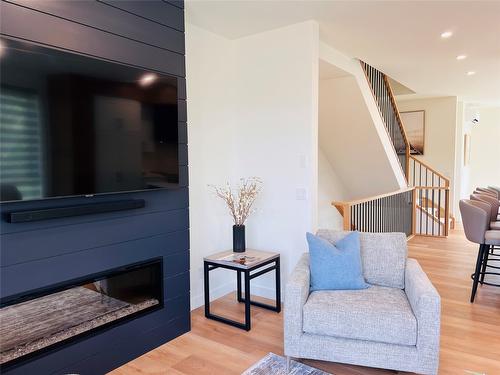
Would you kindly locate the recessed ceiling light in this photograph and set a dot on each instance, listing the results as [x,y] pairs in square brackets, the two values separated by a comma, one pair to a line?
[461,57]
[147,79]
[471,73]
[446,34]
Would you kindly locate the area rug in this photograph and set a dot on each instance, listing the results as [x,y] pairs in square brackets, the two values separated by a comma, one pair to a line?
[276,365]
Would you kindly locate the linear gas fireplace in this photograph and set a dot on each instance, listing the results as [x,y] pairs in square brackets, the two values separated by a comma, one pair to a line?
[53,316]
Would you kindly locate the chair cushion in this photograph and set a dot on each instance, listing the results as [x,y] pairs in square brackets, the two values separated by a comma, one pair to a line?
[335,267]
[383,256]
[495,225]
[375,314]
[492,237]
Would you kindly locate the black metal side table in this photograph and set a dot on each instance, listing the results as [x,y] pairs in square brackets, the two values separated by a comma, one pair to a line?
[248,264]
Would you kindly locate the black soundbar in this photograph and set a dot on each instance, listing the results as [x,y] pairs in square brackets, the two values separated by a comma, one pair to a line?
[76,210]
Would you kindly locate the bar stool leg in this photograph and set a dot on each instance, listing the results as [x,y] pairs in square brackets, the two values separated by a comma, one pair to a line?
[477,272]
[485,262]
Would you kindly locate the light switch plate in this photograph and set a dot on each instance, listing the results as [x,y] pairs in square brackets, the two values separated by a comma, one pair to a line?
[301,194]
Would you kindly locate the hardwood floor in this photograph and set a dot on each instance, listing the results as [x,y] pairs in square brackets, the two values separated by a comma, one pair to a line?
[470,333]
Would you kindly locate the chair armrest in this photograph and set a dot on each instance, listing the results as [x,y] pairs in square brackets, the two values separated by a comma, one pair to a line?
[296,294]
[426,305]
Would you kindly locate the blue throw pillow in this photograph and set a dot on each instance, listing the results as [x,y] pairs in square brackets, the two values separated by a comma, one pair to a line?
[336,267]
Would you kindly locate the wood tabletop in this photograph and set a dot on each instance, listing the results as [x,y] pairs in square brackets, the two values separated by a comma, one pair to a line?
[248,259]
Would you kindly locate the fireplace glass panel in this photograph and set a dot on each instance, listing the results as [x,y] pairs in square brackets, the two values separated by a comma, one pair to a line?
[32,323]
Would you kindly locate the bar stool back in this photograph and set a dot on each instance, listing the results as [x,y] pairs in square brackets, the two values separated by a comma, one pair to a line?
[485,192]
[476,219]
[496,188]
[488,191]
[493,202]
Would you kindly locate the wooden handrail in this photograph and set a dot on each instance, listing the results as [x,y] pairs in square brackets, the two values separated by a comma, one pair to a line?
[396,109]
[432,170]
[431,187]
[382,91]
[372,198]
[401,126]
[405,170]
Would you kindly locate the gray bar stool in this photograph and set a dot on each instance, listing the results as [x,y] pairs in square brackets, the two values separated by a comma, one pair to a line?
[491,194]
[488,191]
[496,188]
[476,217]
[494,205]
[494,225]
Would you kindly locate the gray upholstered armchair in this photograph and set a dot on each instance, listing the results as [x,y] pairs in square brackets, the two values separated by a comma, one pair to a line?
[394,324]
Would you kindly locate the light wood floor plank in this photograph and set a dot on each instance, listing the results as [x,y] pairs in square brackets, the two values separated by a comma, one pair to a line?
[470,333]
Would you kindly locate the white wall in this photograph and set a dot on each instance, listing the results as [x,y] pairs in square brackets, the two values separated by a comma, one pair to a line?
[361,111]
[459,160]
[483,168]
[330,188]
[440,135]
[351,142]
[276,120]
[210,93]
[485,147]
[252,111]
[464,170]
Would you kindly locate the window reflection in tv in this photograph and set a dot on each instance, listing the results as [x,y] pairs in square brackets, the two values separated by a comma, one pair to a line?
[76,125]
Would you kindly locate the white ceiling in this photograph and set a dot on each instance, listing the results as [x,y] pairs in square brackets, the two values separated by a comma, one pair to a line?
[401,38]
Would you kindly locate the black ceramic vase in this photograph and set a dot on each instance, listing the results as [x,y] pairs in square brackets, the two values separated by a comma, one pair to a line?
[239,238]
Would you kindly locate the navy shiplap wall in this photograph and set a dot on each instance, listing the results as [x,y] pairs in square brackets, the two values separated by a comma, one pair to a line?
[147,34]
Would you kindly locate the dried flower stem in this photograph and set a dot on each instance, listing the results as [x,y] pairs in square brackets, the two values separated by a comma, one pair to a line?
[240,205]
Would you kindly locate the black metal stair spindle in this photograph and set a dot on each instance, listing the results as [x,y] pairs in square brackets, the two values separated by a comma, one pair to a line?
[439,212]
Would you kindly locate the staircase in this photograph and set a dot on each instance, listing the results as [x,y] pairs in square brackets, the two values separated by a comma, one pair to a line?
[423,208]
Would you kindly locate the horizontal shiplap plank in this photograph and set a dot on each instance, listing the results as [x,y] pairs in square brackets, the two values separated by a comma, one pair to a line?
[176,263]
[183,154]
[156,200]
[24,23]
[154,10]
[176,285]
[76,238]
[183,176]
[111,19]
[141,344]
[181,88]
[182,131]
[177,3]
[76,265]
[181,110]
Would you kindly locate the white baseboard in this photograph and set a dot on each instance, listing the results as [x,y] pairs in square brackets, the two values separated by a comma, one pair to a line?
[222,290]
[264,291]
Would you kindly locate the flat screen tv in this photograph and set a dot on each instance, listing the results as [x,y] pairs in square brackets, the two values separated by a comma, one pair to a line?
[75,125]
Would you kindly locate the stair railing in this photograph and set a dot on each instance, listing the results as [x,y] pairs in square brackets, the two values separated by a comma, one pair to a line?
[382,93]
[391,212]
[421,174]
[432,213]
[421,209]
